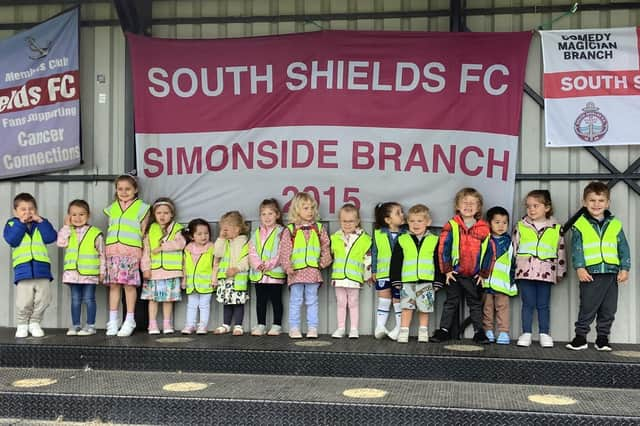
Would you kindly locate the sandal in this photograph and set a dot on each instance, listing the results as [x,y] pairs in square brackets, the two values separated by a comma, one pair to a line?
[223,329]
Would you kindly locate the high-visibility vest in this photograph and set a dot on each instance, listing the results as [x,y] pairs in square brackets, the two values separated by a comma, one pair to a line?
[167,260]
[598,247]
[455,243]
[32,247]
[241,278]
[124,226]
[349,264]
[198,276]
[267,251]
[383,258]
[82,256]
[500,277]
[417,266]
[305,253]
[543,247]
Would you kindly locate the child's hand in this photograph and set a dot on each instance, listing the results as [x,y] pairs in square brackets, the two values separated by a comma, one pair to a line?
[478,279]
[261,267]
[67,220]
[289,271]
[36,218]
[623,276]
[451,277]
[146,275]
[231,272]
[214,284]
[584,276]
[101,278]
[373,277]
[156,250]
[183,285]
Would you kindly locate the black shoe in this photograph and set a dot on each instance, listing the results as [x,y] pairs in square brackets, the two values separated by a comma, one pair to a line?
[440,335]
[481,337]
[578,343]
[602,344]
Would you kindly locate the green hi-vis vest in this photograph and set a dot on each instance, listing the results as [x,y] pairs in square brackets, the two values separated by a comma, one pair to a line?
[500,278]
[241,278]
[167,260]
[83,256]
[305,254]
[124,226]
[543,247]
[383,259]
[267,251]
[31,248]
[198,276]
[417,266]
[599,248]
[349,264]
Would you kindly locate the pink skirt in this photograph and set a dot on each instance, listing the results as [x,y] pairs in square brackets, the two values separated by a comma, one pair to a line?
[123,270]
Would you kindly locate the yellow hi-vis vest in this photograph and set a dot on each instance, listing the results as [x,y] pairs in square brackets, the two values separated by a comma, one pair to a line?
[455,243]
[500,277]
[240,279]
[32,247]
[167,260]
[349,264]
[82,256]
[305,253]
[267,251]
[599,248]
[124,226]
[543,247]
[198,276]
[383,259]
[417,266]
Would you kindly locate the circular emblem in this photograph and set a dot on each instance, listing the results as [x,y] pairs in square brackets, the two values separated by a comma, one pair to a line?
[591,125]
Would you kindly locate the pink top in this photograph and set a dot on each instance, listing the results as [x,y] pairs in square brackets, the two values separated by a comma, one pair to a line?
[74,277]
[176,244]
[119,249]
[195,251]
[255,260]
[309,274]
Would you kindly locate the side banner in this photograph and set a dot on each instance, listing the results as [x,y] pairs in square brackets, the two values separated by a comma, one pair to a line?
[358,117]
[591,87]
[39,98]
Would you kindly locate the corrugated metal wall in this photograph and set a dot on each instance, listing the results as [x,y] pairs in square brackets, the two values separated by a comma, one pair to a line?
[104,126]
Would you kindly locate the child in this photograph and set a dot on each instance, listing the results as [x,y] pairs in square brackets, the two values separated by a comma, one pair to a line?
[161,264]
[128,216]
[199,275]
[28,233]
[266,273]
[413,269]
[388,226]
[498,284]
[231,259]
[459,252]
[304,252]
[601,257]
[540,263]
[84,264]
[350,249]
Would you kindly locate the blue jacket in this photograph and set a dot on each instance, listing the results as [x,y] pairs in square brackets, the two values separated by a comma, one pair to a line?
[14,231]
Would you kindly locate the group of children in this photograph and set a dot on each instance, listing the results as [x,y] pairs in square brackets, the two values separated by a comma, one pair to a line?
[472,257]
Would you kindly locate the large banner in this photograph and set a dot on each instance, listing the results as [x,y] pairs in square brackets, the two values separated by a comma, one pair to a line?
[360,117]
[40,98]
[591,87]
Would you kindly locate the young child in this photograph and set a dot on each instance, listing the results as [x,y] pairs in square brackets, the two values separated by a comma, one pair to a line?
[231,253]
[388,226]
[161,264]
[128,216]
[350,249]
[601,257]
[84,264]
[199,275]
[304,252]
[266,272]
[28,234]
[459,252]
[413,269]
[499,284]
[540,263]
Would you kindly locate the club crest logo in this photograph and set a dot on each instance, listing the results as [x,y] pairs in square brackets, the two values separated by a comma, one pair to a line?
[591,125]
[39,51]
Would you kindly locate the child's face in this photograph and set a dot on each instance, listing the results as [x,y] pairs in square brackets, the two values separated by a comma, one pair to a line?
[25,210]
[163,215]
[78,216]
[596,204]
[468,207]
[418,223]
[268,217]
[307,213]
[229,231]
[499,224]
[536,210]
[201,235]
[125,191]
[349,222]
[395,218]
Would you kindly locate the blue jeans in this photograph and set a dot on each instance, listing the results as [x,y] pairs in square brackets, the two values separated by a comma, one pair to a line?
[535,295]
[307,292]
[83,293]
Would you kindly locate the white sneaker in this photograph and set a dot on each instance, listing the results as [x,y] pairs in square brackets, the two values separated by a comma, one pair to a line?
[393,334]
[339,333]
[403,335]
[524,340]
[22,331]
[89,331]
[353,333]
[259,330]
[546,341]
[423,334]
[112,328]
[35,330]
[127,328]
[73,331]
[275,330]
[380,332]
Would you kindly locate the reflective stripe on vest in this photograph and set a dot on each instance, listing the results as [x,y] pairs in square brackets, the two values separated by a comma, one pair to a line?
[597,247]
[267,252]
[500,277]
[83,256]
[455,243]
[198,277]
[31,247]
[417,266]
[167,260]
[349,264]
[305,254]
[241,278]
[124,226]
[543,247]
[383,259]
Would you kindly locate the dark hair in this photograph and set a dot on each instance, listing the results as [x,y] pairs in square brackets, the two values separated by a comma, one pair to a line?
[129,178]
[187,232]
[162,201]
[272,203]
[383,211]
[544,196]
[24,197]
[497,210]
[79,203]
[598,188]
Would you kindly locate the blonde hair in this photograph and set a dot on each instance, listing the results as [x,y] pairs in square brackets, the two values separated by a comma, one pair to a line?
[296,204]
[465,192]
[234,218]
[350,208]
[420,209]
